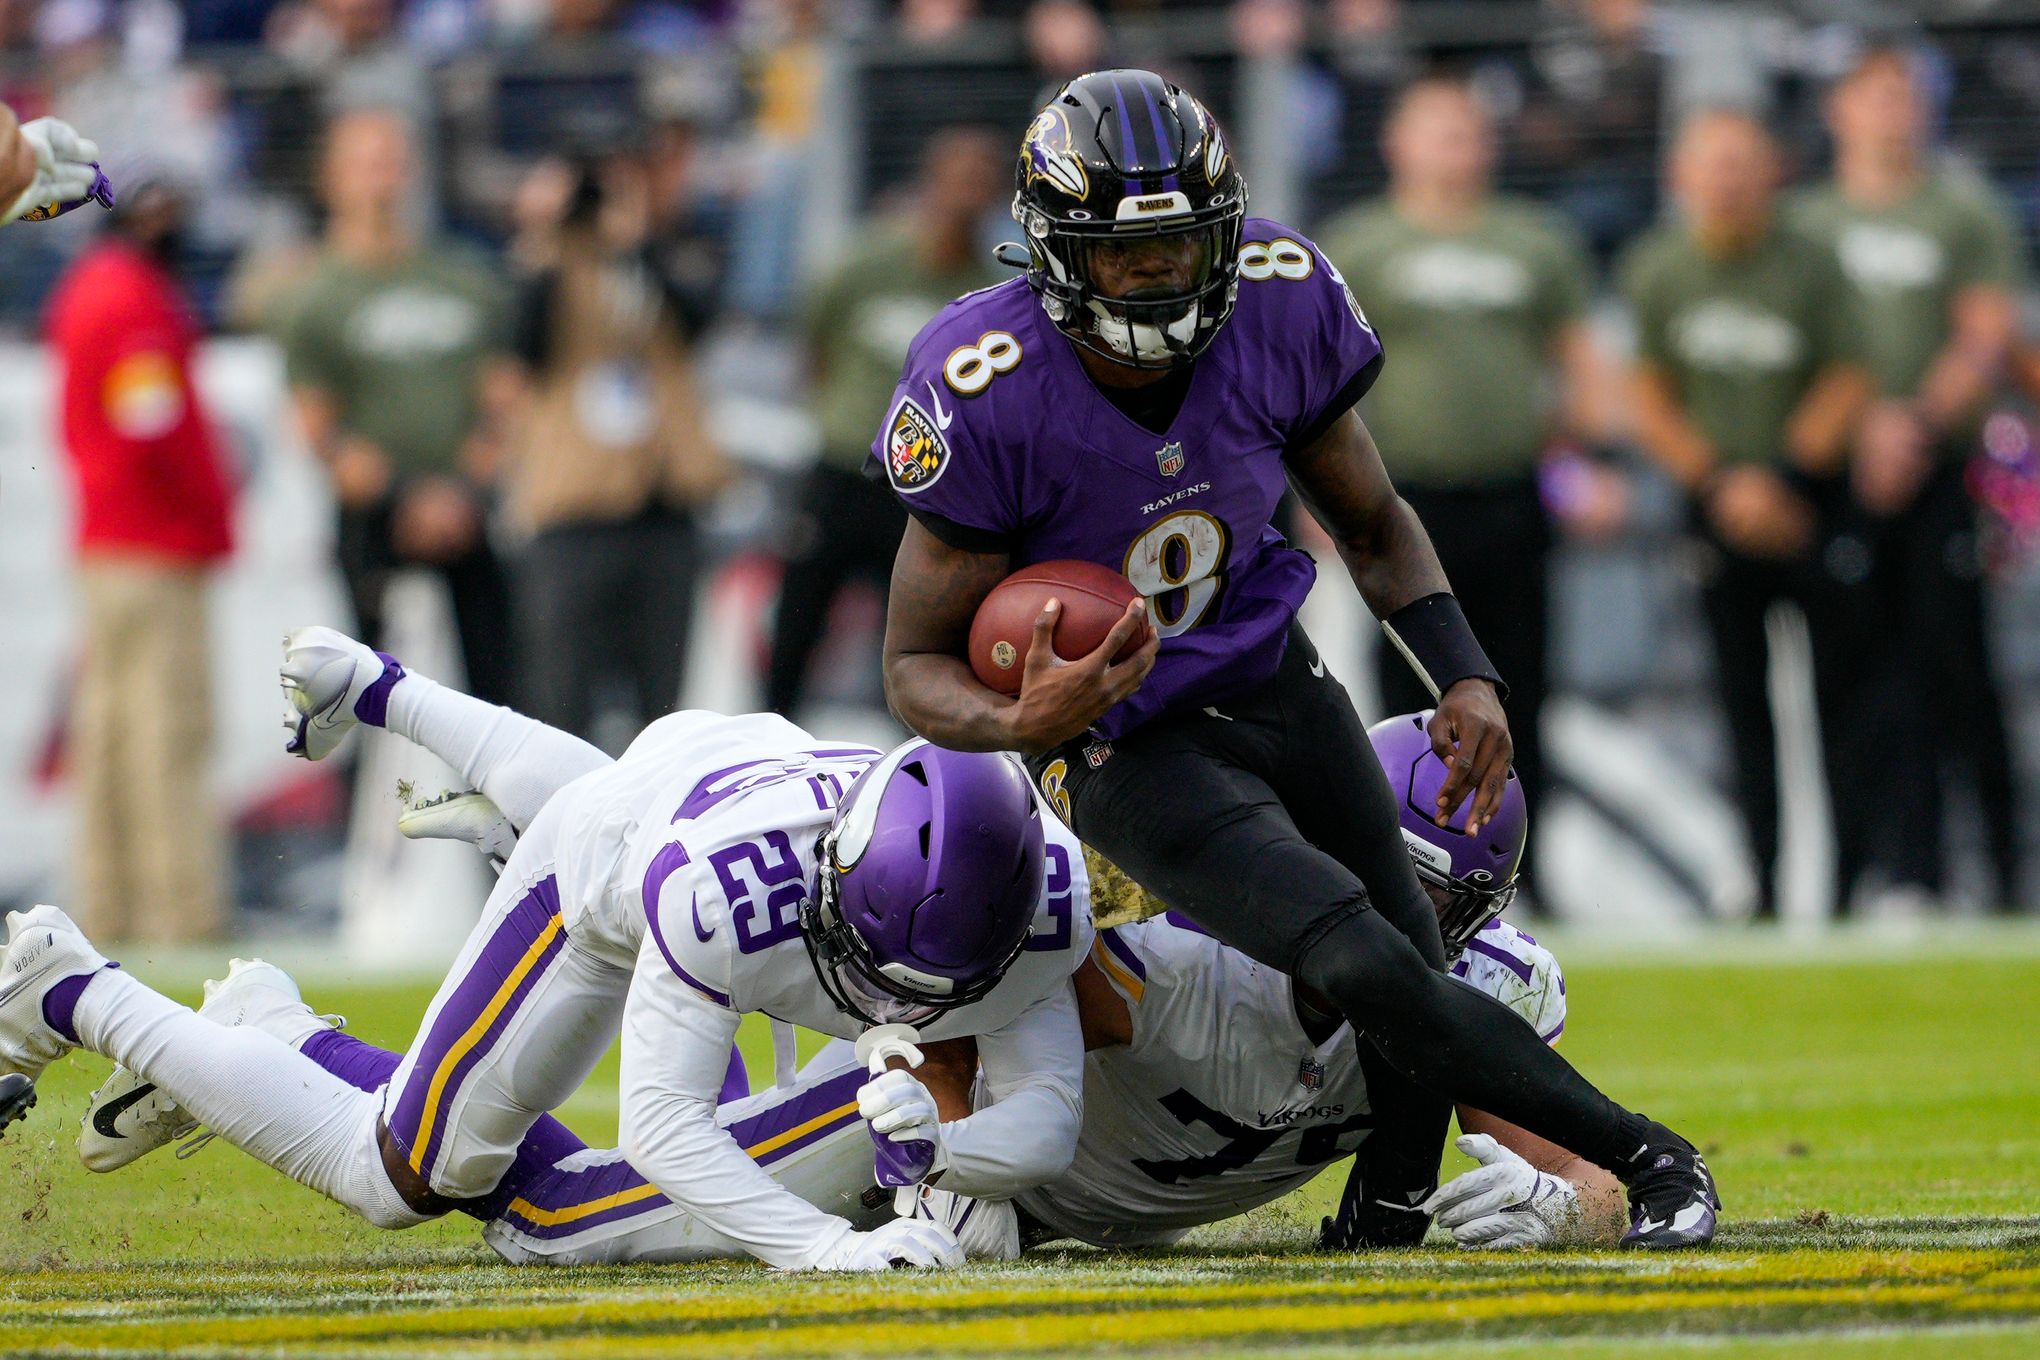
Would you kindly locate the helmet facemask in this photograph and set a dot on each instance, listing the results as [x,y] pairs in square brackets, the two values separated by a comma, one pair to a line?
[1090,281]
[1467,906]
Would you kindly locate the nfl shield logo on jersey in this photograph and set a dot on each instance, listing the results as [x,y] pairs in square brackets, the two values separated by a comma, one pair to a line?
[1169,457]
[1310,1074]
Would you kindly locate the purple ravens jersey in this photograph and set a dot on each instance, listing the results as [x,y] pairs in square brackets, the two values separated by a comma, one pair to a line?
[999,440]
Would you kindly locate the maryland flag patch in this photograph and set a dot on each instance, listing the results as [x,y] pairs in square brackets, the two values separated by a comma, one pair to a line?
[915,451]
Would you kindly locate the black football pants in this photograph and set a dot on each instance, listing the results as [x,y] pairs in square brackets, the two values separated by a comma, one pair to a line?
[1267,820]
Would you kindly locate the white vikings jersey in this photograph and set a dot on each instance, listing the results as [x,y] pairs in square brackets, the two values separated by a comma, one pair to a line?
[1222,1103]
[687,863]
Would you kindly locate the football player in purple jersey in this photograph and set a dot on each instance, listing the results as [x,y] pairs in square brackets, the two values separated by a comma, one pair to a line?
[1140,400]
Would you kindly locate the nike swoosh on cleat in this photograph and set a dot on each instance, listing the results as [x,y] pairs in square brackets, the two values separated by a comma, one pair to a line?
[1317,668]
[105,1115]
[1688,1218]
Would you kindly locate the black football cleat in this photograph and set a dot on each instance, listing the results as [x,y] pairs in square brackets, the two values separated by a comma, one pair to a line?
[17,1098]
[1672,1200]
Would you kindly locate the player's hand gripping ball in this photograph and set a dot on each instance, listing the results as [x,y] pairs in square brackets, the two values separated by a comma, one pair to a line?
[1094,598]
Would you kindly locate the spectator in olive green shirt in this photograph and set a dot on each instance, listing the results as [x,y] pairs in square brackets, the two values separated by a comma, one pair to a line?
[388,344]
[1482,299]
[858,325]
[1934,265]
[1747,385]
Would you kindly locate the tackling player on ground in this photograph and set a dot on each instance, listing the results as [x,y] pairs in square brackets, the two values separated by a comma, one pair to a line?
[1140,400]
[1192,1114]
[722,866]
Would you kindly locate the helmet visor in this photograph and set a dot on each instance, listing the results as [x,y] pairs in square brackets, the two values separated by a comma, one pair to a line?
[877,1007]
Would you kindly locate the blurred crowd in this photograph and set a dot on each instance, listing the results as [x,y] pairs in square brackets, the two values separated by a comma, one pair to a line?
[515,253]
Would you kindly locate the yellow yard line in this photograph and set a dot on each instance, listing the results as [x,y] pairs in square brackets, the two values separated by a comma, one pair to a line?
[1037,1314]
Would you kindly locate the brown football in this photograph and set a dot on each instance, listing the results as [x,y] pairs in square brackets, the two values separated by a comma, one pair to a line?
[1093,598]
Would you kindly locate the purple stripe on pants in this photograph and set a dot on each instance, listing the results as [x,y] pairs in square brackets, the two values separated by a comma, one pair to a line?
[808,1106]
[486,976]
[558,1190]
[537,1178]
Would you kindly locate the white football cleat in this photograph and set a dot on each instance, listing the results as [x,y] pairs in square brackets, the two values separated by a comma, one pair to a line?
[44,947]
[331,682]
[470,817]
[129,1117]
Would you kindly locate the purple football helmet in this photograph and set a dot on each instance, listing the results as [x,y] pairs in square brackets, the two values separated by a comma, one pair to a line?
[929,880]
[1477,873]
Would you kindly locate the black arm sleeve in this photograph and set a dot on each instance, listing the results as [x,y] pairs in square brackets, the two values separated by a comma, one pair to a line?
[1434,637]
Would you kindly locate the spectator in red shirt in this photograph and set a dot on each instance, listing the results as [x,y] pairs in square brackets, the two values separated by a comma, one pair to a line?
[153,520]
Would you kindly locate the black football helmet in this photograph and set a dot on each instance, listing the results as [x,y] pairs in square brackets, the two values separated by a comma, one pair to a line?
[1122,176]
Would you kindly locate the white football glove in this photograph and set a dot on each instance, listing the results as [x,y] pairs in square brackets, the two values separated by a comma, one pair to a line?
[1505,1201]
[64,171]
[986,1229]
[901,1109]
[913,1242]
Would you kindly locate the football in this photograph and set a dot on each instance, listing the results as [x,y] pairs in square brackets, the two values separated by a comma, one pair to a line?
[1093,598]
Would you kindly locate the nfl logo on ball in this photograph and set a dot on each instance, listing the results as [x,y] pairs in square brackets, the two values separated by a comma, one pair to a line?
[1169,457]
[1004,655]
[1310,1074]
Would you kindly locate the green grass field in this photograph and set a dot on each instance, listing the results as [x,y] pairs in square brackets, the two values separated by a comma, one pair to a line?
[1874,1122]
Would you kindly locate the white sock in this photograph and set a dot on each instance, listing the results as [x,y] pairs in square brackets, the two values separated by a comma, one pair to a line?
[250,1088]
[517,761]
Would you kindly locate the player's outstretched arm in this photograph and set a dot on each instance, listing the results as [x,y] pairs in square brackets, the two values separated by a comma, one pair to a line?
[1383,544]
[936,591]
[1527,1192]
[676,1046]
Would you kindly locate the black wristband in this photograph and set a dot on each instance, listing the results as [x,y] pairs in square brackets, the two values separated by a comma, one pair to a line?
[1433,636]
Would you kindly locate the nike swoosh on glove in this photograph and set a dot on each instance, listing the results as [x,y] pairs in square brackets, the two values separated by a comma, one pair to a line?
[913,1243]
[905,1125]
[1505,1201]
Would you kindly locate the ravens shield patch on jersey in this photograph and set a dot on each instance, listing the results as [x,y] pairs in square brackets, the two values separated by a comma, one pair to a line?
[915,451]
